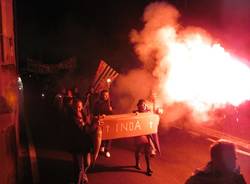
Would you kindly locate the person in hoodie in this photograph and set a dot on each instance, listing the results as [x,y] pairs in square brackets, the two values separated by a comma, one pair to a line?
[222,169]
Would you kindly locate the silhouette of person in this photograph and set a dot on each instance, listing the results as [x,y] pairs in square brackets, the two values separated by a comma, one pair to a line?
[103,107]
[222,169]
[80,142]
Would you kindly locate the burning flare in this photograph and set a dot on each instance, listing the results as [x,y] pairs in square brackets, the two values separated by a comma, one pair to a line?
[190,67]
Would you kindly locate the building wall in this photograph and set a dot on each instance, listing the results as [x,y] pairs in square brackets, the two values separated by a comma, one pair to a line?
[8,96]
[7,48]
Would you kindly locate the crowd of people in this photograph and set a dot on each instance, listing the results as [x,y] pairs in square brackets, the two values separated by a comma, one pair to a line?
[82,121]
[81,117]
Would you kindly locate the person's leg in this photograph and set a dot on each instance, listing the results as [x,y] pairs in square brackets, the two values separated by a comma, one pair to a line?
[82,178]
[107,145]
[87,161]
[137,157]
[153,149]
[102,148]
[76,168]
[149,171]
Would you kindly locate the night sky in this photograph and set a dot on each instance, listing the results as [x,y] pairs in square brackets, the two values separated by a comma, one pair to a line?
[50,31]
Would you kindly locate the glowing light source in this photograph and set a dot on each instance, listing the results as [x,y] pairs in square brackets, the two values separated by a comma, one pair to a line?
[191,68]
[202,74]
[19,83]
[109,80]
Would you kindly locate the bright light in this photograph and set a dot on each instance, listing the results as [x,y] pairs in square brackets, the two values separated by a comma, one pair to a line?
[19,79]
[204,74]
[108,80]
[19,83]
[160,111]
[190,68]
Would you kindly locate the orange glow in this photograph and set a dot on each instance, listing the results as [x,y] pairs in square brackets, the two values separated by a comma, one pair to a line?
[108,80]
[203,75]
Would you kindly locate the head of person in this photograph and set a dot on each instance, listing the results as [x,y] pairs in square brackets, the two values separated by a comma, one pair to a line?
[63,90]
[104,95]
[69,93]
[75,90]
[141,105]
[78,106]
[68,97]
[223,156]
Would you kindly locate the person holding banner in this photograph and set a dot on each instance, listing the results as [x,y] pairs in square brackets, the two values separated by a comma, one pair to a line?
[101,108]
[80,141]
[142,143]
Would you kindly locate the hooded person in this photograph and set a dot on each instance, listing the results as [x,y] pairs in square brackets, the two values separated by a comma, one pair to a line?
[222,169]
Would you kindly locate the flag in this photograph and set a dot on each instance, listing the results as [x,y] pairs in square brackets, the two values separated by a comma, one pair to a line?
[104,76]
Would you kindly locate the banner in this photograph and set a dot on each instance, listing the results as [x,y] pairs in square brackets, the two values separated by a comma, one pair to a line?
[68,64]
[129,125]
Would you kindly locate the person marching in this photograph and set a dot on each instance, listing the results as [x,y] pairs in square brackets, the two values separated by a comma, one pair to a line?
[80,142]
[101,108]
[142,143]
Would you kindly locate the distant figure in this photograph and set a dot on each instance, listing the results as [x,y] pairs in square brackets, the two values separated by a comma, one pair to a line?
[58,100]
[68,99]
[142,143]
[76,93]
[103,107]
[222,168]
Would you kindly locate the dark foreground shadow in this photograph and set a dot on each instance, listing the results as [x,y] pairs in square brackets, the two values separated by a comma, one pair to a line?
[104,168]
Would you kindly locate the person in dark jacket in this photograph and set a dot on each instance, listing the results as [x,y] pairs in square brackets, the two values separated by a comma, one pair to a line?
[101,108]
[142,143]
[222,168]
[80,142]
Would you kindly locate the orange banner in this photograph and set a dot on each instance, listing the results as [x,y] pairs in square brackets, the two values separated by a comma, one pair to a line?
[130,125]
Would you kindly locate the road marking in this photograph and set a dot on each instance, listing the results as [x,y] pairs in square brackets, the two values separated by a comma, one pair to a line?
[237,150]
[246,153]
[243,152]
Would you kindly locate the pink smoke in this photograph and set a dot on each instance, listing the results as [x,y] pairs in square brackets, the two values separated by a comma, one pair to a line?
[189,66]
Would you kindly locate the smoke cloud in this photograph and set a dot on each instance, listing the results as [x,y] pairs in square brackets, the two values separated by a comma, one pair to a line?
[177,65]
[131,87]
